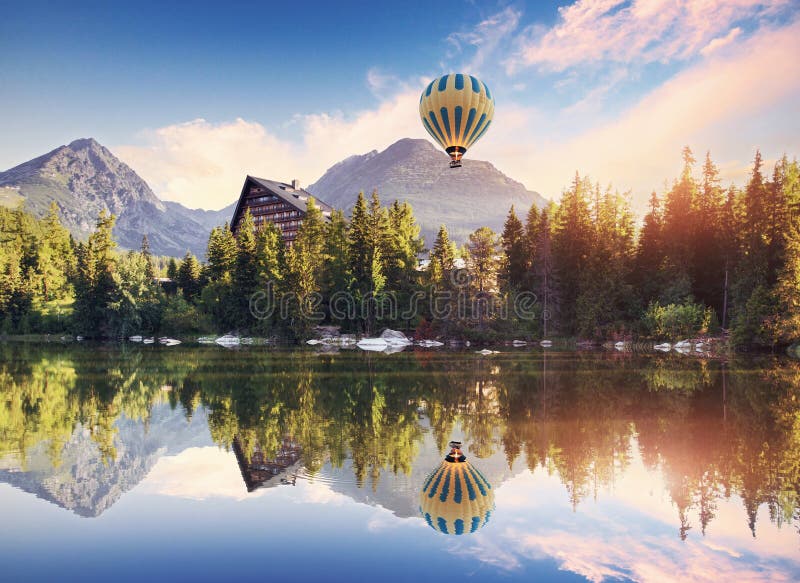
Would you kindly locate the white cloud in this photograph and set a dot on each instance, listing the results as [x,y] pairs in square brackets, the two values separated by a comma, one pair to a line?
[198,473]
[313,492]
[382,84]
[485,38]
[594,99]
[203,164]
[330,138]
[732,102]
[592,31]
[721,41]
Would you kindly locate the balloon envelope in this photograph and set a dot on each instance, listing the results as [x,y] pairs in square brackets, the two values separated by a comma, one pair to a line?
[456,498]
[456,110]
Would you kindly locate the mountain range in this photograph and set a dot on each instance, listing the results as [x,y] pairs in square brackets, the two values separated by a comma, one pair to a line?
[84,177]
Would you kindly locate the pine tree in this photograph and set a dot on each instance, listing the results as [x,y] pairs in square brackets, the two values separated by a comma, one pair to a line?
[271,271]
[777,218]
[786,318]
[245,274]
[442,258]
[221,254]
[707,261]
[189,277]
[270,256]
[650,254]
[677,231]
[172,269]
[311,234]
[56,257]
[572,241]
[149,270]
[136,305]
[401,248]
[751,283]
[483,264]
[301,280]
[606,296]
[728,240]
[380,235]
[514,266]
[545,275]
[532,221]
[304,266]
[95,286]
[360,242]
[336,253]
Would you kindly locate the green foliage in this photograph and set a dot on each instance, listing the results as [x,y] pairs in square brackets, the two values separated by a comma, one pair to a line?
[95,284]
[367,236]
[482,259]
[606,301]
[572,241]
[188,278]
[675,321]
[336,274]
[245,273]
[221,253]
[515,264]
[148,257]
[136,306]
[36,261]
[183,317]
[172,269]
[442,258]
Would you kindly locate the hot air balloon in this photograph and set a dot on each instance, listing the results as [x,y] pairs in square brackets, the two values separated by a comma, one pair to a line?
[456,498]
[456,110]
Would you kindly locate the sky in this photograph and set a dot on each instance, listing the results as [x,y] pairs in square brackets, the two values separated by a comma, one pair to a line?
[193,96]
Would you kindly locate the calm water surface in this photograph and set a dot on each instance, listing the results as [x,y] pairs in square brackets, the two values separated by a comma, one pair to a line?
[204,464]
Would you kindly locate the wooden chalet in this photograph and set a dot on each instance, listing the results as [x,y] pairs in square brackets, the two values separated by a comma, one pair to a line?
[259,471]
[275,202]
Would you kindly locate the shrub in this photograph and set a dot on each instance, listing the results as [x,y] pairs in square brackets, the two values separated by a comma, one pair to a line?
[676,320]
[181,317]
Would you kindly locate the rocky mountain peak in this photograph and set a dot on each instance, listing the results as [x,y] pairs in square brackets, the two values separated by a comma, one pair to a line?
[416,171]
[83,178]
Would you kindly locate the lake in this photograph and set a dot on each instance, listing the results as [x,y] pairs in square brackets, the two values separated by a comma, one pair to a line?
[198,463]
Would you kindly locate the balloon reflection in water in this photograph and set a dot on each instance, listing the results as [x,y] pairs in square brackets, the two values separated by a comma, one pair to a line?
[456,498]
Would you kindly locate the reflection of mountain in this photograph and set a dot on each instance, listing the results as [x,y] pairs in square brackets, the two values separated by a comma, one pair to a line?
[400,492]
[85,484]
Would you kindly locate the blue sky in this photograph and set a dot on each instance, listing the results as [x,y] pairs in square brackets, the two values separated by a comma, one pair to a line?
[195,95]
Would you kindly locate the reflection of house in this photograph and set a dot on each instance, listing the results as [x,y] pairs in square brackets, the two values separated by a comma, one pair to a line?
[275,202]
[259,471]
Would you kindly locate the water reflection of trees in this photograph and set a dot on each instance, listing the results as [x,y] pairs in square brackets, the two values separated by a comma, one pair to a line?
[713,429]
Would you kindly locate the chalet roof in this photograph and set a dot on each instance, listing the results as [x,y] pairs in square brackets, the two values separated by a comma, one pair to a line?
[298,198]
[259,472]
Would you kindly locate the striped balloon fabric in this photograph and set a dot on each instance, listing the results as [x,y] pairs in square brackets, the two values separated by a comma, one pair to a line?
[456,498]
[456,109]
